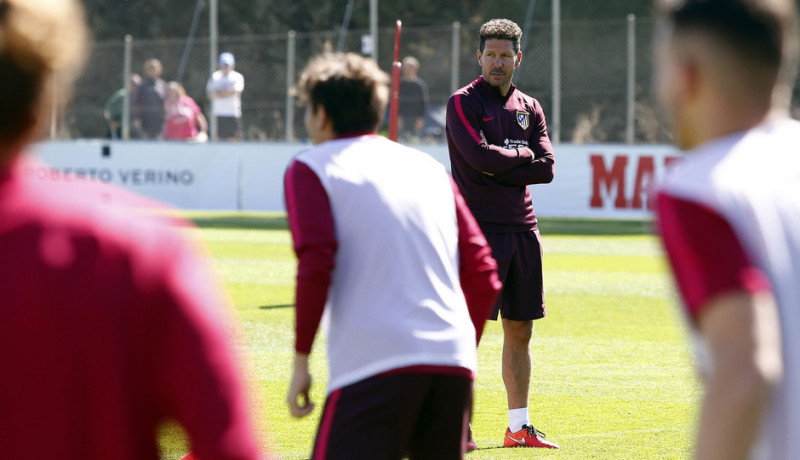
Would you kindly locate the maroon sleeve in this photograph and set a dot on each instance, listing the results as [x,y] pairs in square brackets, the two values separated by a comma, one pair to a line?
[542,169]
[464,129]
[197,376]
[539,171]
[706,256]
[477,268]
[313,233]
[540,140]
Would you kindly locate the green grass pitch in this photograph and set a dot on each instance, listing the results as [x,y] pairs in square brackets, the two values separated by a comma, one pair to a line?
[612,370]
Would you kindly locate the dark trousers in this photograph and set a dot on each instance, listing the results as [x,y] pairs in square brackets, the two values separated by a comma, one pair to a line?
[422,416]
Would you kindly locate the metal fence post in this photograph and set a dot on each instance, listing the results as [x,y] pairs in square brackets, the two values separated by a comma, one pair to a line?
[54,109]
[290,64]
[212,59]
[126,101]
[630,131]
[373,27]
[555,123]
[455,56]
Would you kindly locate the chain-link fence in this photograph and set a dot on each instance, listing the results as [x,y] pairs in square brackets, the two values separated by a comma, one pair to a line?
[595,60]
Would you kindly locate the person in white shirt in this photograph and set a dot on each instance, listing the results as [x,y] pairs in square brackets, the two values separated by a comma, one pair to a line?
[729,215]
[224,89]
[387,248]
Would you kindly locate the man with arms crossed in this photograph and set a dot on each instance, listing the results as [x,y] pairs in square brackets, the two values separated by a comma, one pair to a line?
[498,146]
[387,246]
[110,323]
[729,215]
[224,89]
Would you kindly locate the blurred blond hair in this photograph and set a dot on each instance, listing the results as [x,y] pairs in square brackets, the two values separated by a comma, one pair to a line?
[43,45]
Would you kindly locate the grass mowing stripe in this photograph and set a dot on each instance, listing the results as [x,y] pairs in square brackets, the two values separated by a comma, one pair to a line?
[612,371]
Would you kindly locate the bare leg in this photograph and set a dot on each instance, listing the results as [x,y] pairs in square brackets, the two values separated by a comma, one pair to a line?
[517,361]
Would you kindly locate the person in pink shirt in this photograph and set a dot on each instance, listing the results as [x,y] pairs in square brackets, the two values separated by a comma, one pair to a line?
[183,118]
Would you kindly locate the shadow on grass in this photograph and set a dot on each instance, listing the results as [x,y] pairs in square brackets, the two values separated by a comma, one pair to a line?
[275,307]
[240,221]
[560,226]
[548,226]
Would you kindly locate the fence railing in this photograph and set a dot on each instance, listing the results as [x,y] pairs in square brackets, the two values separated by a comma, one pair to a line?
[602,88]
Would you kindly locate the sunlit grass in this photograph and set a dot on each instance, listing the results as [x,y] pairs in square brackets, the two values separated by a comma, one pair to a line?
[612,373]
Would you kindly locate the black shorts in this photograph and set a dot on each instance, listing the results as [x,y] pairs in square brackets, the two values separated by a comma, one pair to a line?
[228,127]
[519,266]
[392,416]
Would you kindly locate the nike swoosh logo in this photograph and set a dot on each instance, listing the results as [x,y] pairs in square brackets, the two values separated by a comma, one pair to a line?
[488,119]
[520,441]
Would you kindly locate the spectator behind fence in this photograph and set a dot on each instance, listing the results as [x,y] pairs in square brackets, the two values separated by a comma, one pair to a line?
[414,101]
[147,103]
[224,89]
[114,107]
[184,119]
[111,323]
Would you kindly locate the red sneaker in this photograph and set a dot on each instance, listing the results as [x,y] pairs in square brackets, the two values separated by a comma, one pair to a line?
[471,444]
[528,436]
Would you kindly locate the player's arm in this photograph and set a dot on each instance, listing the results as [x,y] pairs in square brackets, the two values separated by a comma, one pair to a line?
[539,171]
[477,268]
[202,123]
[542,168]
[226,93]
[239,86]
[237,89]
[211,88]
[743,334]
[312,227]
[464,129]
[731,305]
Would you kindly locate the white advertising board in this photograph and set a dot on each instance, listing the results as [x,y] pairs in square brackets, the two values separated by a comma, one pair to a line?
[600,181]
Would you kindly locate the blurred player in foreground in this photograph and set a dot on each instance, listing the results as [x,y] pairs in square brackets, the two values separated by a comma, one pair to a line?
[729,215]
[110,323]
[383,237]
[499,145]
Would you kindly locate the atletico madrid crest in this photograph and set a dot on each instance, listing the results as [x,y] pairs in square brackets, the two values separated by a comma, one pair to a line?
[523,119]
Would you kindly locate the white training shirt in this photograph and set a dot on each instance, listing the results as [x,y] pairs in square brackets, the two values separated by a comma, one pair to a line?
[395,299]
[226,106]
[752,180]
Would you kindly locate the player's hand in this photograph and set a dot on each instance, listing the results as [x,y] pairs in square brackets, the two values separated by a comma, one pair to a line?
[298,399]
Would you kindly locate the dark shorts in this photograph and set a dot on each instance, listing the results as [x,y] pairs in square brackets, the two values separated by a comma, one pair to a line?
[228,127]
[519,266]
[419,416]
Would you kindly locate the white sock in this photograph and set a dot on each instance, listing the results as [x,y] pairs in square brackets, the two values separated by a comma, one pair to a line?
[517,418]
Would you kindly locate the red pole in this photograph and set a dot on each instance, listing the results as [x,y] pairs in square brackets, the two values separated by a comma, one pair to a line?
[394,96]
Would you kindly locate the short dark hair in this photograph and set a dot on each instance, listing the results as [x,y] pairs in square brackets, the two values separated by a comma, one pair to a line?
[353,90]
[503,29]
[762,31]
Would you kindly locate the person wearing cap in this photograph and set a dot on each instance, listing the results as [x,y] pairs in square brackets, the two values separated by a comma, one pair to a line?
[224,89]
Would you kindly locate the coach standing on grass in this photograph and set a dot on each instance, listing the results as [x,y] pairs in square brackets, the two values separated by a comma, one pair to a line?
[498,146]
[384,238]
[729,215]
[110,322]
